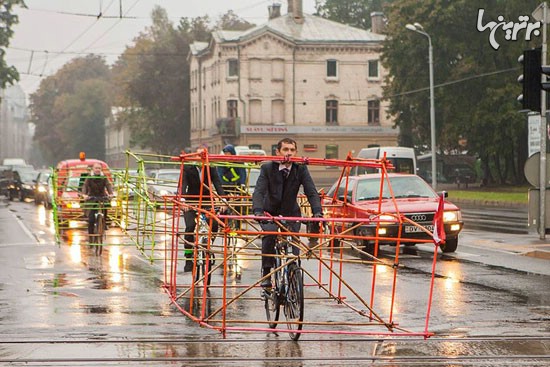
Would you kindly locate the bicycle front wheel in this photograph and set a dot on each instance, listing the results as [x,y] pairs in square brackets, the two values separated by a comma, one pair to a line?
[294,302]
[100,233]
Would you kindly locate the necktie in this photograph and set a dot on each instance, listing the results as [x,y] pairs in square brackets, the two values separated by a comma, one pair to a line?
[286,171]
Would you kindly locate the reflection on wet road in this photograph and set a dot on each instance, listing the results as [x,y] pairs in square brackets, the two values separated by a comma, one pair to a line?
[62,305]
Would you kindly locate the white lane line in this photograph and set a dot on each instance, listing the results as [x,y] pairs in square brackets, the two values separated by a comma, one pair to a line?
[25,228]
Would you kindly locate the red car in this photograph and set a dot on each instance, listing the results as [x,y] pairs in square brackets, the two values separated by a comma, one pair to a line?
[70,176]
[413,198]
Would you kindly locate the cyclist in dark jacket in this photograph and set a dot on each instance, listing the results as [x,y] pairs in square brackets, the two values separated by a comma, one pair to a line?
[96,186]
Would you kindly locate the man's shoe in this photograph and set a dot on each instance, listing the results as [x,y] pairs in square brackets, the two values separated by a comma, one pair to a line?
[266,283]
[188,266]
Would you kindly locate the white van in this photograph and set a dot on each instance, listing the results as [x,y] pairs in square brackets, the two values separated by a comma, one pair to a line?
[244,150]
[403,159]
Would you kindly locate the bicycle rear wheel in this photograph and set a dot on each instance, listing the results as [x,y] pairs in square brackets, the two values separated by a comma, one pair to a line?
[99,233]
[201,263]
[294,302]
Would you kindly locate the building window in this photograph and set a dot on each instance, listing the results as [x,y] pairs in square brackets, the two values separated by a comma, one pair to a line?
[232,68]
[332,69]
[255,69]
[232,108]
[278,69]
[331,151]
[332,112]
[277,111]
[374,112]
[373,69]
[255,111]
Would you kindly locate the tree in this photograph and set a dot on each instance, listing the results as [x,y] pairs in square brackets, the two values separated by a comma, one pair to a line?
[475,86]
[355,13]
[69,110]
[8,74]
[154,81]
[232,22]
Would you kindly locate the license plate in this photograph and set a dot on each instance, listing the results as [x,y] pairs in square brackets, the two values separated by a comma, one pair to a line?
[415,229]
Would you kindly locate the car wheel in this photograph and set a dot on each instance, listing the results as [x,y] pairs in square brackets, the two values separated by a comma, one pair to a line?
[367,247]
[450,245]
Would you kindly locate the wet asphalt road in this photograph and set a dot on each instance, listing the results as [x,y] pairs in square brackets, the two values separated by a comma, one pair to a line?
[61,305]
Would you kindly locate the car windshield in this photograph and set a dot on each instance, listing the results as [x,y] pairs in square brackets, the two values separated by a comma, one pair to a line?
[73,184]
[168,177]
[403,187]
[44,178]
[27,176]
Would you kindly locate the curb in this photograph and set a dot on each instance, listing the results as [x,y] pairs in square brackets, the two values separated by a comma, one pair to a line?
[489,203]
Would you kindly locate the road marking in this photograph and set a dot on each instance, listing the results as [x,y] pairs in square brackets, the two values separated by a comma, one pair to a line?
[25,228]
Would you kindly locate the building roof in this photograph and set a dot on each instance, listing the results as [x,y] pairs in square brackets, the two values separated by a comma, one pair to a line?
[312,30]
[197,47]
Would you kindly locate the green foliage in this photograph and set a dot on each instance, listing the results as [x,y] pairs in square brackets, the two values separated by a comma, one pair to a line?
[8,74]
[152,80]
[69,110]
[355,13]
[230,21]
[475,86]
[153,77]
[518,195]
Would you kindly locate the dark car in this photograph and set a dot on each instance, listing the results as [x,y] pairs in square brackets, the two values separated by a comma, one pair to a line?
[10,184]
[43,189]
[413,200]
[28,182]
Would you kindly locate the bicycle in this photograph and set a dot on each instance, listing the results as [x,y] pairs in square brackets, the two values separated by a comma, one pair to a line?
[288,288]
[203,255]
[100,223]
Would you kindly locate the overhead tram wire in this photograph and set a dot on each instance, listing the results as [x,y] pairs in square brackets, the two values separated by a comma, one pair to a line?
[452,82]
[113,26]
[71,43]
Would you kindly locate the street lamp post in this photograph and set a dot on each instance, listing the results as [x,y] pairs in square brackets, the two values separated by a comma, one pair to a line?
[417,27]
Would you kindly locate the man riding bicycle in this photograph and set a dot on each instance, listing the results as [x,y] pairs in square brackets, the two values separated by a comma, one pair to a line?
[276,193]
[96,186]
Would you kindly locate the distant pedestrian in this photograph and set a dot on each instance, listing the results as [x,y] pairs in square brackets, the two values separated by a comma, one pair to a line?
[233,177]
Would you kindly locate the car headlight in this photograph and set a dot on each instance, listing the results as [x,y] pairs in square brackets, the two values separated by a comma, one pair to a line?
[26,187]
[451,216]
[41,189]
[384,219]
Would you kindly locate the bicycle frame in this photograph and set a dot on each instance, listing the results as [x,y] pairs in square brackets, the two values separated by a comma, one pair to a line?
[100,220]
[288,289]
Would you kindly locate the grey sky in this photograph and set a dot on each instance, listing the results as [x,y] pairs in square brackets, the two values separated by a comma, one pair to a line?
[51,32]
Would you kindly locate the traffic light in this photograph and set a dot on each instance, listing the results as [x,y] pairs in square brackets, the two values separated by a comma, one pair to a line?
[531,79]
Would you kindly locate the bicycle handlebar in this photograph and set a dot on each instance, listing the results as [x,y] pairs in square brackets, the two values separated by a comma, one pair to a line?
[99,198]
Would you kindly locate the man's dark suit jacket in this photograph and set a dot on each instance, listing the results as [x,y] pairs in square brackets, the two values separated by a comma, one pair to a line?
[191,183]
[272,196]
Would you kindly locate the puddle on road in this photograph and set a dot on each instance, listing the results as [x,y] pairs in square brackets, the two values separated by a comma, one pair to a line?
[40,261]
